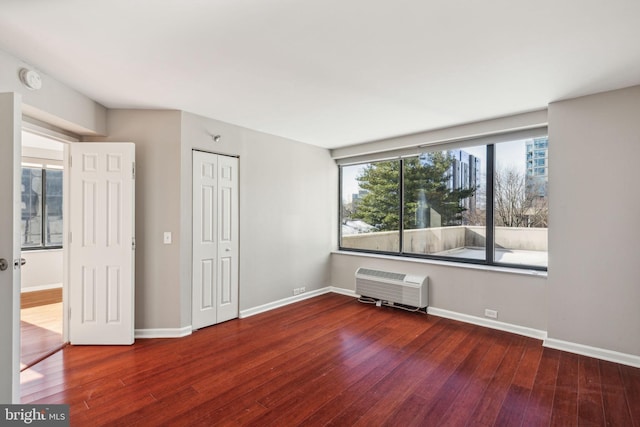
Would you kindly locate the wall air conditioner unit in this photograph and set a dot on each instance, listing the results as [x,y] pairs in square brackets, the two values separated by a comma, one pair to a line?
[397,288]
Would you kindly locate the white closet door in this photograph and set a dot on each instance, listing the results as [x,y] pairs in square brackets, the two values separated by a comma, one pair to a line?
[215,239]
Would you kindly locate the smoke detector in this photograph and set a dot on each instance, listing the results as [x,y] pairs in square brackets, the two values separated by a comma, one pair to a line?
[30,78]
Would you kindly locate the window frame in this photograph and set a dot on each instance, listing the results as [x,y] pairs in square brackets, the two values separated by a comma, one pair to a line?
[490,202]
[43,167]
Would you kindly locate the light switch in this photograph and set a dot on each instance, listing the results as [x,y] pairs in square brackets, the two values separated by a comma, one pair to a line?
[167,237]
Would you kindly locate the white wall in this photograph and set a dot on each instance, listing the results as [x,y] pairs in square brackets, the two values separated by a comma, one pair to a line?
[43,269]
[594,271]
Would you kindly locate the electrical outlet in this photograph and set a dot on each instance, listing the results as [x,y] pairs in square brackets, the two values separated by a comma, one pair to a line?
[167,237]
[490,313]
[303,290]
[296,291]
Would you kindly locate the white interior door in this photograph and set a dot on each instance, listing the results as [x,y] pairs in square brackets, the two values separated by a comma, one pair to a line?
[215,239]
[101,243]
[10,152]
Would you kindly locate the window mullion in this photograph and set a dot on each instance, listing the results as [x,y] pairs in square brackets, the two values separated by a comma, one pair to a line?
[401,208]
[489,224]
[43,206]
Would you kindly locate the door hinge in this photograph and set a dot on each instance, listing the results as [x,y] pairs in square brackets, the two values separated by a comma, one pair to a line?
[70,161]
[133,170]
[133,243]
[70,237]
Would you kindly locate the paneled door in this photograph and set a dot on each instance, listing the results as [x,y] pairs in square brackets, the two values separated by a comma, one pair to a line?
[10,200]
[102,245]
[215,239]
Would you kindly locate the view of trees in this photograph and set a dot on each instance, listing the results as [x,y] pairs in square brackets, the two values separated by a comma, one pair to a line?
[427,193]
[517,202]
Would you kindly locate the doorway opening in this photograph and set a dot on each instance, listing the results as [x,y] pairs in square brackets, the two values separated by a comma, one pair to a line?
[42,231]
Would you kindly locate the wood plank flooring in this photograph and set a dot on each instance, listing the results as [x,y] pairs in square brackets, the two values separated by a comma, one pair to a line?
[333,361]
[40,332]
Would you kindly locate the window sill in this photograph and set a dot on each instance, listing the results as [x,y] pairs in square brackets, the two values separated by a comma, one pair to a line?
[37,250]
[492,268]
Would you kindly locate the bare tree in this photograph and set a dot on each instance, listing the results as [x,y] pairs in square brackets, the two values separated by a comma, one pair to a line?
[518,203]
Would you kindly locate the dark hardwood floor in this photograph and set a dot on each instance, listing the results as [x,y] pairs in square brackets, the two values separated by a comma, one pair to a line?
[330,360]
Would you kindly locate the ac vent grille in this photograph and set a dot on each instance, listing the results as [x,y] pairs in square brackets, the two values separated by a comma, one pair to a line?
[381,274]
[394,287]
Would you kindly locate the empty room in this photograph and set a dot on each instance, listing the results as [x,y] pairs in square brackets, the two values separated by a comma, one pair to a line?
[321,213]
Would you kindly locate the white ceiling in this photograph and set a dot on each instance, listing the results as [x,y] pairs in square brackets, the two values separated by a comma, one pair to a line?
[331,72]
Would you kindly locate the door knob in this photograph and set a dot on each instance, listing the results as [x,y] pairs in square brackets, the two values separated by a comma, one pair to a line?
[3,264]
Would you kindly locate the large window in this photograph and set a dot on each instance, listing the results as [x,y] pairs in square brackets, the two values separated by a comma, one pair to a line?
[480,204]
[41,224]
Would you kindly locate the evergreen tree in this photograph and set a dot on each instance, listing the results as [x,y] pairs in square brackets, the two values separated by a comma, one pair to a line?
[426,192]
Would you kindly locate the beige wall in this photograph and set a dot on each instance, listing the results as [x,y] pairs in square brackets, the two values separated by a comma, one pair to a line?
[594,273]
[156,135]
[287,228]
[288,210]
[520,299]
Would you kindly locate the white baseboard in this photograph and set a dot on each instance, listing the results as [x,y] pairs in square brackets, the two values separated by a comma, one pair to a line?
[163,332]
[488,323]
[595,352]
[342,291]
[285,301]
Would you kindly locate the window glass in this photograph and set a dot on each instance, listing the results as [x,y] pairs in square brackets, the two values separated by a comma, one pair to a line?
[53,208]
[444,210]
[370,216]
[31,218]
[520,206]
[435,204]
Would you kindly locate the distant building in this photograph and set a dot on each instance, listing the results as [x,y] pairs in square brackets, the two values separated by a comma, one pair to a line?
[464,173]
[356,197]
[537,176]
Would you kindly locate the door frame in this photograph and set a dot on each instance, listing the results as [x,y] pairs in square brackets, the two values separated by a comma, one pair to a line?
[10,129]
[67,138]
